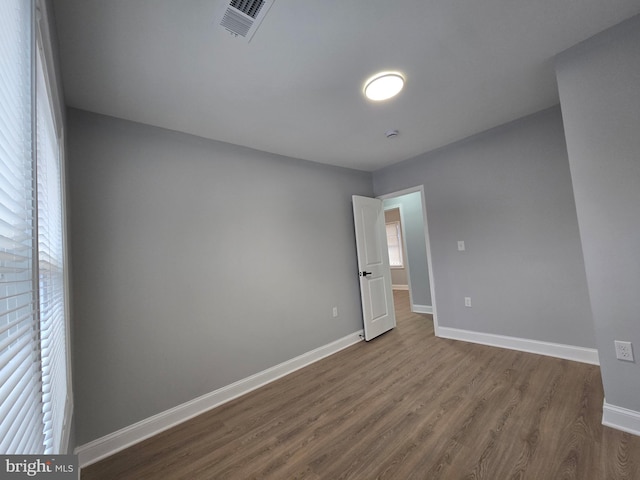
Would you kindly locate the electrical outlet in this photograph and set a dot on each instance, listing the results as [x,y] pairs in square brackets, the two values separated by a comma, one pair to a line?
[624,351]
[335,312]
[467,301]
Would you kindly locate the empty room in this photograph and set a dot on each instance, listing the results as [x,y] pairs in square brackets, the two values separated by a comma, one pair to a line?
[197,280]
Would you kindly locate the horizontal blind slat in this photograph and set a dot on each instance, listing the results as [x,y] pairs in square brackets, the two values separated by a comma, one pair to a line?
[10,361]
[25,412]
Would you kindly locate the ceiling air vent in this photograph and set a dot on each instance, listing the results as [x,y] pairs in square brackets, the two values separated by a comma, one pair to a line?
[242,18]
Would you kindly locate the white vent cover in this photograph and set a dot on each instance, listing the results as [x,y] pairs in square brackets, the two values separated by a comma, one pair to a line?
[242,18]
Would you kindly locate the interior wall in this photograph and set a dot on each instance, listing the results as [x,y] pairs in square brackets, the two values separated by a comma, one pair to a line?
[411,205]
[196,264]
[507,194]
[599,85]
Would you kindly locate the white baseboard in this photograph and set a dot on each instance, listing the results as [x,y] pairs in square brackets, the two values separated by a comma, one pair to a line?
[399,287]
[422,309]
[105,446]
[621,418]
[569,352]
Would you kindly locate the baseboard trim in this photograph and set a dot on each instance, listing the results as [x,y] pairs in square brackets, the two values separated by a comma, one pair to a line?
[569,352]
[103,447]
[399,287]
[621,418]
[422,309]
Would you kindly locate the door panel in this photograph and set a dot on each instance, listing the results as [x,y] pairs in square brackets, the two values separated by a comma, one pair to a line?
[373,266]
[373,249]
[378,293]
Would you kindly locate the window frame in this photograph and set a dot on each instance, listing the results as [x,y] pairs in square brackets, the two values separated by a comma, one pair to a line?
[37,402]
[43,44]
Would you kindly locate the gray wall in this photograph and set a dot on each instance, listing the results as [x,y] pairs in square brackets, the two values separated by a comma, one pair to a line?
[196,264]
[599,84]
[411,205]
[507,193]
[398,274]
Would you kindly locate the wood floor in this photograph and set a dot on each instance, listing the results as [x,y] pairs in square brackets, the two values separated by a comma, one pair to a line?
[406,405]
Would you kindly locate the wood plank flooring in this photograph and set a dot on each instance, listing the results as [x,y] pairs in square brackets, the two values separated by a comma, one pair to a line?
[406,405]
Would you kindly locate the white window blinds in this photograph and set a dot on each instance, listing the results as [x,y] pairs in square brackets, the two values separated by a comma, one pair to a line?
[33,357]
[50,265]
[21,414]
[394,242]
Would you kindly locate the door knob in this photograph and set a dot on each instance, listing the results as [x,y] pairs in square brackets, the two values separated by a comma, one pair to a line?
[364,274]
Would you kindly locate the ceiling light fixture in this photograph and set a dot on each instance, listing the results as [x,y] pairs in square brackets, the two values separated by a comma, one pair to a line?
[384,85]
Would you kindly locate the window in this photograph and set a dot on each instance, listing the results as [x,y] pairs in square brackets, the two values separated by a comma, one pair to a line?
[33,319]
[394,242]
[51,259]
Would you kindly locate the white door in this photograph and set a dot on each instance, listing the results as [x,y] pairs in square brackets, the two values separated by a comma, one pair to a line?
[373,266]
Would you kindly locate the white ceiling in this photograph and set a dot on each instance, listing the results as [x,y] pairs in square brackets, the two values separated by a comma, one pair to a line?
[296,88]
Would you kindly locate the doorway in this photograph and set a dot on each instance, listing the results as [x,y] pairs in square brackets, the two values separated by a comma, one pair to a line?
[411,206]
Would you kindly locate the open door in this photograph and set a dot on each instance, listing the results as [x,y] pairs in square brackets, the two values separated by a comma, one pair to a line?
[373,265]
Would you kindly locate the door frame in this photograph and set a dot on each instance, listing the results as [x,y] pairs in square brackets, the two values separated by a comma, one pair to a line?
[399,193]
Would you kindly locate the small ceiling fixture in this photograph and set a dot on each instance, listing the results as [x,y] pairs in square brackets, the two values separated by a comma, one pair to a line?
[383,85]
[392,133]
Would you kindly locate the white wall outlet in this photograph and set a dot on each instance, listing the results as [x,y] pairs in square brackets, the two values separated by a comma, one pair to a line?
[335,312]
[467,301]
[624,351]
[461,245]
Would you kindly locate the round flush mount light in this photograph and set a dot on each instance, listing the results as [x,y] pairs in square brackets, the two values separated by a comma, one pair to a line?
[383,86]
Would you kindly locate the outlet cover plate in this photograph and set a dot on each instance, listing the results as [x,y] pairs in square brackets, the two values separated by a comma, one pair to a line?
[624,351]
